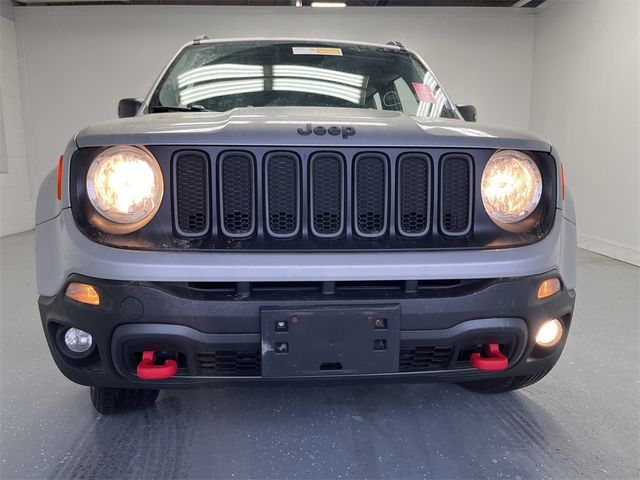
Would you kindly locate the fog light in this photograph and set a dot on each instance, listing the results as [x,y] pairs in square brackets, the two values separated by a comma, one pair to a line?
[78,341]
[549,287]
[81,292]
[550,333]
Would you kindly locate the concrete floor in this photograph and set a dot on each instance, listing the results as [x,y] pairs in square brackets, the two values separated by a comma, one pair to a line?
[581,421]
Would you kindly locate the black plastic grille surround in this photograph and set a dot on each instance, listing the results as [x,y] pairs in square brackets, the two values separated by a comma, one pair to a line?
[311,199]
[456,192]
[237,186]
[283,199]
[327,194]
[371,194]
[414,191]
[420,358]
[191,177]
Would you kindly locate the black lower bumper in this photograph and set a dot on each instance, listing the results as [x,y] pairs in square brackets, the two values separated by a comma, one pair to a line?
[409,331]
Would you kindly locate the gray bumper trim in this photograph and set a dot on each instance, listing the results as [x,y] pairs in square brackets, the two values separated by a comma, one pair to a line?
[62,250]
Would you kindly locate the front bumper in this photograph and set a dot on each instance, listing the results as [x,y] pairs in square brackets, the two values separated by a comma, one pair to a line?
[75,253]
[223,331]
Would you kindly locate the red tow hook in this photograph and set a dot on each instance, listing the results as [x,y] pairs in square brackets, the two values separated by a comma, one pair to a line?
[148,371]
[495,361]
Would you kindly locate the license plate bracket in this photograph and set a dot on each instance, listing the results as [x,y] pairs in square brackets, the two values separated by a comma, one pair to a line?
[330,340]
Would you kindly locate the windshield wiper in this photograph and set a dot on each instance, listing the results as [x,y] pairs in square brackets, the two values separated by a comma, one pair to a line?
[167,108]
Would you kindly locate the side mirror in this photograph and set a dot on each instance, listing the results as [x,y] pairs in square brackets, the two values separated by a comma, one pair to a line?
[468,112]
[128,107]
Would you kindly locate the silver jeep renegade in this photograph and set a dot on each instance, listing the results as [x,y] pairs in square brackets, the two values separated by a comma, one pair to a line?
[285,209]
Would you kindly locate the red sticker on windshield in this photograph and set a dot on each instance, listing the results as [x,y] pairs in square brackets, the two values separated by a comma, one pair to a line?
[424,93]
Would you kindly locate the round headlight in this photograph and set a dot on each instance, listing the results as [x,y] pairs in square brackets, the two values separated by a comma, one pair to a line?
[511,186]
[125,186]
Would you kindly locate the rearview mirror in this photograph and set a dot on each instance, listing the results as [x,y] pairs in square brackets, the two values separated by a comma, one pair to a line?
[128,107]
[468,112]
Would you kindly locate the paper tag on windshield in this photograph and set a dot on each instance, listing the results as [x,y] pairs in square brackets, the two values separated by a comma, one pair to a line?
[424,93]
[317,51]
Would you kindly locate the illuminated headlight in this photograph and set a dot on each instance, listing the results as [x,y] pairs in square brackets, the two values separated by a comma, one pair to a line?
[511,186]
[125,186]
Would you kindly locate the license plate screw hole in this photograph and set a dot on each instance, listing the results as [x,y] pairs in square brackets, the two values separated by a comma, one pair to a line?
[379,344]
[380,324]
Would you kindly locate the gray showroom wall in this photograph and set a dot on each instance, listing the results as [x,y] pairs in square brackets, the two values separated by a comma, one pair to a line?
[78,61]
[16,209]
[586,98]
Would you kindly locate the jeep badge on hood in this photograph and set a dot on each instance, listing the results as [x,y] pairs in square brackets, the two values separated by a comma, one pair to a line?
[346,132]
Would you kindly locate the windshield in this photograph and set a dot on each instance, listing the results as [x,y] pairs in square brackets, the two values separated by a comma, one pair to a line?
[223,76]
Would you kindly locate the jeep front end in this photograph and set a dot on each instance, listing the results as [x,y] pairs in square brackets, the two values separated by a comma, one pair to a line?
[282,210]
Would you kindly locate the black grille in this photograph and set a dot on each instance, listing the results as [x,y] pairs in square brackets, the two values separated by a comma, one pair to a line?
[455,194]
[419,358]
[327,194]
[237,186]
[246,290]
[283,199]
[192,193]
[371,194]
[237,363]
[414,191]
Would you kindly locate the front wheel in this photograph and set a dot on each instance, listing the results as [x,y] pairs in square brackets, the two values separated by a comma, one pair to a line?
[500,385]
[108,401]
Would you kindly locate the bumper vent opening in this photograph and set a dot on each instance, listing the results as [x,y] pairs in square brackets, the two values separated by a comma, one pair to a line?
[243,290]
[232,363]
[419,358]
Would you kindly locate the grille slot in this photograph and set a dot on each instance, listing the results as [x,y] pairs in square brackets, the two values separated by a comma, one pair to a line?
[237,190]
[414,193]
[456,187]
[370,194]
[238,291]
[232,363]
[283,197]
[420,358]
[327,195]
[191,199]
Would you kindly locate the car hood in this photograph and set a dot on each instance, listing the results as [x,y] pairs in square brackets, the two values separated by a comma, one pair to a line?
[279,126]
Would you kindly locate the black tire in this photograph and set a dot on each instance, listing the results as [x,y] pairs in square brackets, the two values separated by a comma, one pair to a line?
[507,384]
[108,401]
